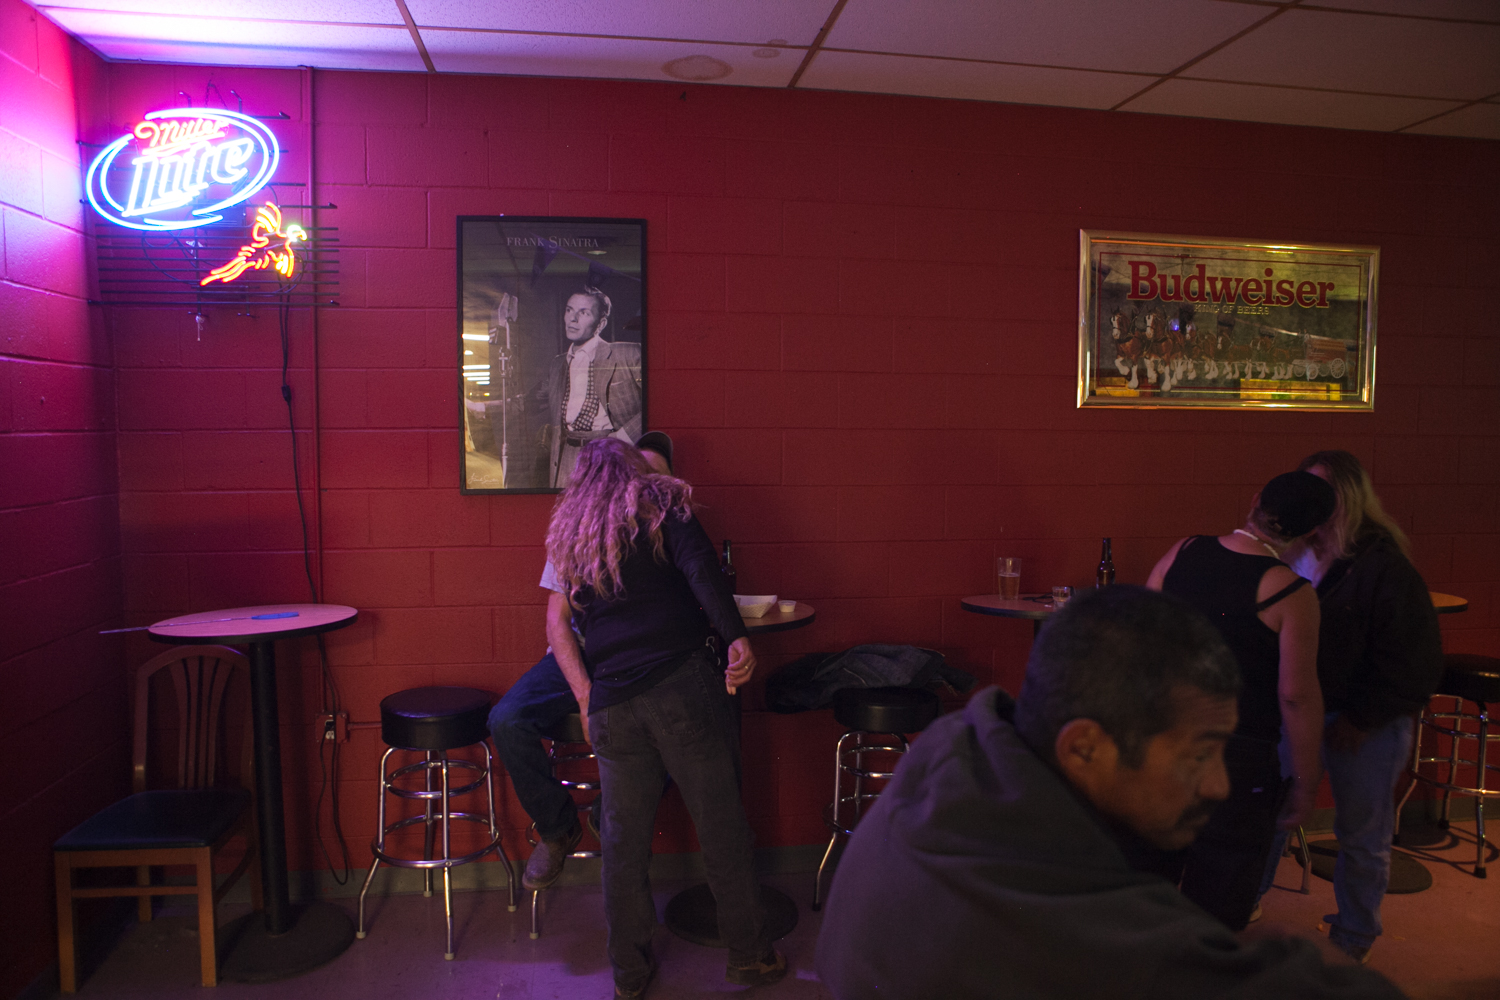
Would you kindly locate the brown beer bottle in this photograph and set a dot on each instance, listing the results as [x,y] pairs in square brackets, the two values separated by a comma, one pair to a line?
[726,566]
[1105,575]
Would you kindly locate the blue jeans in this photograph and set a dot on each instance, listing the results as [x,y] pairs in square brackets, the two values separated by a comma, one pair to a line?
[537,702]
[1364,818]
[685,726]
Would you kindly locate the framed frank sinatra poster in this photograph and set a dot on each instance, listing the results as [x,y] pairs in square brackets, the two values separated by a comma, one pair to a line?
[1170,321]
[551,345]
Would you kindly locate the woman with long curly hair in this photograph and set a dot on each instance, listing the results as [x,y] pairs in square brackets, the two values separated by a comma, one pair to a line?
[1380,657]
[644,588]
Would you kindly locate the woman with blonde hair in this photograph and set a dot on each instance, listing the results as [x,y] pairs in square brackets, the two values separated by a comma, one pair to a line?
[1380,657]
[642,583]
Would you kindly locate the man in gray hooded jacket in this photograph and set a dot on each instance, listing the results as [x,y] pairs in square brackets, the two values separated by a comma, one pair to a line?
[1015,852]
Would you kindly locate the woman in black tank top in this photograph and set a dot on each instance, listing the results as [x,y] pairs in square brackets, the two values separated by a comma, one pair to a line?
[1269,618]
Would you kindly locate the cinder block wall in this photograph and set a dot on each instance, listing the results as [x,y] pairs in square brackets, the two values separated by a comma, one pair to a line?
[63,728]
[861,336]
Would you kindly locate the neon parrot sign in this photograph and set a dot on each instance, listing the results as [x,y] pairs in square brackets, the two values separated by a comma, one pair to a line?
[180,168]
[260,253]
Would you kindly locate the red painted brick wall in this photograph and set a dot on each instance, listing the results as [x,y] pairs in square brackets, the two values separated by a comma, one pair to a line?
[63,733]
[861,337]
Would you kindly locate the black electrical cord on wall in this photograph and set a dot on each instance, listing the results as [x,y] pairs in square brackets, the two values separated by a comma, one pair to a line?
[327,787]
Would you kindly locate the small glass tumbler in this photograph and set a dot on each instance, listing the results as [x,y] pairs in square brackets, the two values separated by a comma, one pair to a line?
[1061,596]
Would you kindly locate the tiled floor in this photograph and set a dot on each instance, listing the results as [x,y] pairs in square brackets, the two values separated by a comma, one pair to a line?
[1439,945]
[402,958]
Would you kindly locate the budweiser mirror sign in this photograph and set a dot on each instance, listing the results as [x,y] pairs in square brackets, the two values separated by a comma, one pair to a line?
[1170,321]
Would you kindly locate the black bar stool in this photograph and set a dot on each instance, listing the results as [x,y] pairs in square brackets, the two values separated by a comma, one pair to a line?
[1466,677]
[565,749]
[432,721]
[875,718]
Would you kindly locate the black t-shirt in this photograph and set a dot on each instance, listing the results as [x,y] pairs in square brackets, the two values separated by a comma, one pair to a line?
[1222,584]
[664,613]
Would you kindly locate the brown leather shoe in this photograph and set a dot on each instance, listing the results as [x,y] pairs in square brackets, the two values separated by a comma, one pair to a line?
[769,969]
[547,860]
[635,992]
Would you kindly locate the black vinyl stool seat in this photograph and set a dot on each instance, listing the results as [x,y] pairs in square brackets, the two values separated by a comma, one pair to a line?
[435,718]
[1471,677]
[1467,677]
[566,749]
[432,721]
[885,709]
[569,729]
[876,719]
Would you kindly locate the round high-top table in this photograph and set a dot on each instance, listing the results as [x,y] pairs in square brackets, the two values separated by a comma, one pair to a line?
[1037,607]
[781,621]
[692,914]
[289,940]
[1447,604]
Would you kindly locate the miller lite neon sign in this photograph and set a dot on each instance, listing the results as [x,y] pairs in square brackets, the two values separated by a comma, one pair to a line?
[181,168]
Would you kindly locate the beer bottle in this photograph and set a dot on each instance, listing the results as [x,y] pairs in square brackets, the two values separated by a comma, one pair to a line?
[1105,575]
[726,566]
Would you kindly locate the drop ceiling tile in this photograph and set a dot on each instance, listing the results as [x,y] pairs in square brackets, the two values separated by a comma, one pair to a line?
[1384,55]
[156,38]
[975,81]
[341,11]
[1091,34]
[1284,105]
[1476,10]
[794,22]
[1480,121]
[608,58]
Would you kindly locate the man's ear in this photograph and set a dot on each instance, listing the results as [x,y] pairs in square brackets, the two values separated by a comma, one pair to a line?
[1086,754]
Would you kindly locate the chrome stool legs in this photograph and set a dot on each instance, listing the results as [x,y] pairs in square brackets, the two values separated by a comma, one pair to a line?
[1306,861]
[1431,721]
[437,817]
[843,813]
[569,735]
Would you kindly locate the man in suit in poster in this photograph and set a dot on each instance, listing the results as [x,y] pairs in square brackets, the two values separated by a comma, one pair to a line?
[595,386]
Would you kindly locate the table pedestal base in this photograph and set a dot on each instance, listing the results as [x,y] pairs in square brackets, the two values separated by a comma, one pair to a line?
[319,933]
[1429,834]
[693,915]
[1407,873]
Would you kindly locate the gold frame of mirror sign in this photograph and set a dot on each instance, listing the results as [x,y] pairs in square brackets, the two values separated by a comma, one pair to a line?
[1188,321]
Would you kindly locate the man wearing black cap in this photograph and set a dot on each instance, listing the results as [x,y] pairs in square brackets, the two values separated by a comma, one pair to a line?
[535,704]
[1269,618]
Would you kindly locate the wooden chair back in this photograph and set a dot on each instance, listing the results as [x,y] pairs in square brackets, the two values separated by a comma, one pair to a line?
[199,677]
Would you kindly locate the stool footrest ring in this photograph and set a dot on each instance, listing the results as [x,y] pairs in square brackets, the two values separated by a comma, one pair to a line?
[434,793]
[435,862]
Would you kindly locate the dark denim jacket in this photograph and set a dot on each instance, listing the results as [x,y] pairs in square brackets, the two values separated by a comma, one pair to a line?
[809,683]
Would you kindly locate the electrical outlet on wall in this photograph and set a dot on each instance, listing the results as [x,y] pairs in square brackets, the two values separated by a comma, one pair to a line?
[335,727]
